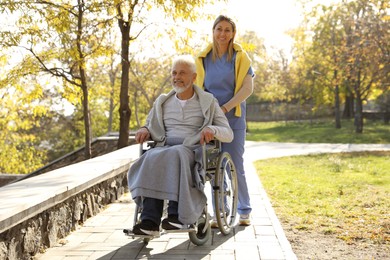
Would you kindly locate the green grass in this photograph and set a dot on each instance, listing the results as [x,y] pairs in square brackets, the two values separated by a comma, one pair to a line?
[319,132]
[346,194]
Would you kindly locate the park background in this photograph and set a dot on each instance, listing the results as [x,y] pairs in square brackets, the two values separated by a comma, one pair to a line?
[73,71]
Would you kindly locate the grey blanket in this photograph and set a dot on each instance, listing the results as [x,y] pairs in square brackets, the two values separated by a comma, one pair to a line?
[171,173]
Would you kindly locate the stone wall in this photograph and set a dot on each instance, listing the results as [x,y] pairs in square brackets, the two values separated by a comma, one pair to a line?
[45,214]
[45,229]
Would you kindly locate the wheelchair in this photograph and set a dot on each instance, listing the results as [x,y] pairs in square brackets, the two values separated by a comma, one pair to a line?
[221,174]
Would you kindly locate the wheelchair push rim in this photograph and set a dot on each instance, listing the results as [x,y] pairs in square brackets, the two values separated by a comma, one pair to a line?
[225,193]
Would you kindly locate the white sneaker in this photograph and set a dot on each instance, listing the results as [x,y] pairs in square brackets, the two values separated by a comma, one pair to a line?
[245,220]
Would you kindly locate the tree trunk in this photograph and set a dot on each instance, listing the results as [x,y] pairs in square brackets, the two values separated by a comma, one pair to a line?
[87,118]
[312,101]
[337,107]
[84,86]
[359,116]
[111,111]
[336,102]
[359,107]
[112,76]
[124,108]
[299,109]
[349,106]
[386,115]
[136,109]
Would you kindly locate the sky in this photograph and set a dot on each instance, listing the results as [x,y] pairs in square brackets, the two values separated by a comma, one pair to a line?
[268,18]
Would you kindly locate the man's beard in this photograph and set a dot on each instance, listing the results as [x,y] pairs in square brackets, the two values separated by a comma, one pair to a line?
[180,90]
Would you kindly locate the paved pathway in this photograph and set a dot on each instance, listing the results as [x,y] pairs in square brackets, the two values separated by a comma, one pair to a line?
[101,236]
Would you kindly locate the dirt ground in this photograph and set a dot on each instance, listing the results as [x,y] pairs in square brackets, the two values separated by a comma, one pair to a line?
[311,245]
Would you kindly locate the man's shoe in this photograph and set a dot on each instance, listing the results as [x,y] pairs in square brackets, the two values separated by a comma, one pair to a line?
[172,223]
[146,228]
[244,220]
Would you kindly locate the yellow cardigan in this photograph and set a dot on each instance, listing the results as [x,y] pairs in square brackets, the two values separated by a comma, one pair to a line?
[241,69]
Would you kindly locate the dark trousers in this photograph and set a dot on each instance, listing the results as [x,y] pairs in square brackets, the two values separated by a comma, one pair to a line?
[153,209]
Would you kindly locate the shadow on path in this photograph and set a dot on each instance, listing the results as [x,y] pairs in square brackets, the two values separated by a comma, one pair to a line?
[177,246]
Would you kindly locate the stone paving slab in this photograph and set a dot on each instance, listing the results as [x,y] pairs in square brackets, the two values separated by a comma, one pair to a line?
[101,237]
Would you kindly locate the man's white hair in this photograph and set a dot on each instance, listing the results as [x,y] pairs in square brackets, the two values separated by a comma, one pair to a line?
[185,59]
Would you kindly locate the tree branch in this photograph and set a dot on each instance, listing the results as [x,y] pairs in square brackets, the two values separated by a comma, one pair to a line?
[57,72]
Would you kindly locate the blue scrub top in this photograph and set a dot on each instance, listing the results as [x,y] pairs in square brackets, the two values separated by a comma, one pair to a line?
[220,81]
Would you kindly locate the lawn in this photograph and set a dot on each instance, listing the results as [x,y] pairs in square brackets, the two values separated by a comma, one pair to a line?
[322,131]
[347,194]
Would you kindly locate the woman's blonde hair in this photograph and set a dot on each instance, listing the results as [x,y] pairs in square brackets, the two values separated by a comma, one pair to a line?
[215,45]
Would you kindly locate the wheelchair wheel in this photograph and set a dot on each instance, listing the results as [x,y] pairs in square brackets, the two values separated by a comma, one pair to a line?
[225,193]
[199,237]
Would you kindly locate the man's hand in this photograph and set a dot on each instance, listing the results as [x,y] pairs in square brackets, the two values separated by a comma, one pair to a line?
[206,135]
[142,135]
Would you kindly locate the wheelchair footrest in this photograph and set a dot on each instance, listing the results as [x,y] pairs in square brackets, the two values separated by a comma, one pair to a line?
[129,232]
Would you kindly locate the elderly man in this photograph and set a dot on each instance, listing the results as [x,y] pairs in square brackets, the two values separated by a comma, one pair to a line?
[179,122]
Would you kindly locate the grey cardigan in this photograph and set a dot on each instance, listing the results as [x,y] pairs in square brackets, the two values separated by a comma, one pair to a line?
[213,114]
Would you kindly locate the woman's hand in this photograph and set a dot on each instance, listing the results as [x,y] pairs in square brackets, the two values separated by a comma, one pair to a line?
[224,110]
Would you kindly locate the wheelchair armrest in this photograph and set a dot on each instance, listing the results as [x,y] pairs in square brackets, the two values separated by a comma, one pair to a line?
[214,144]
[145,146]
[217,144]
